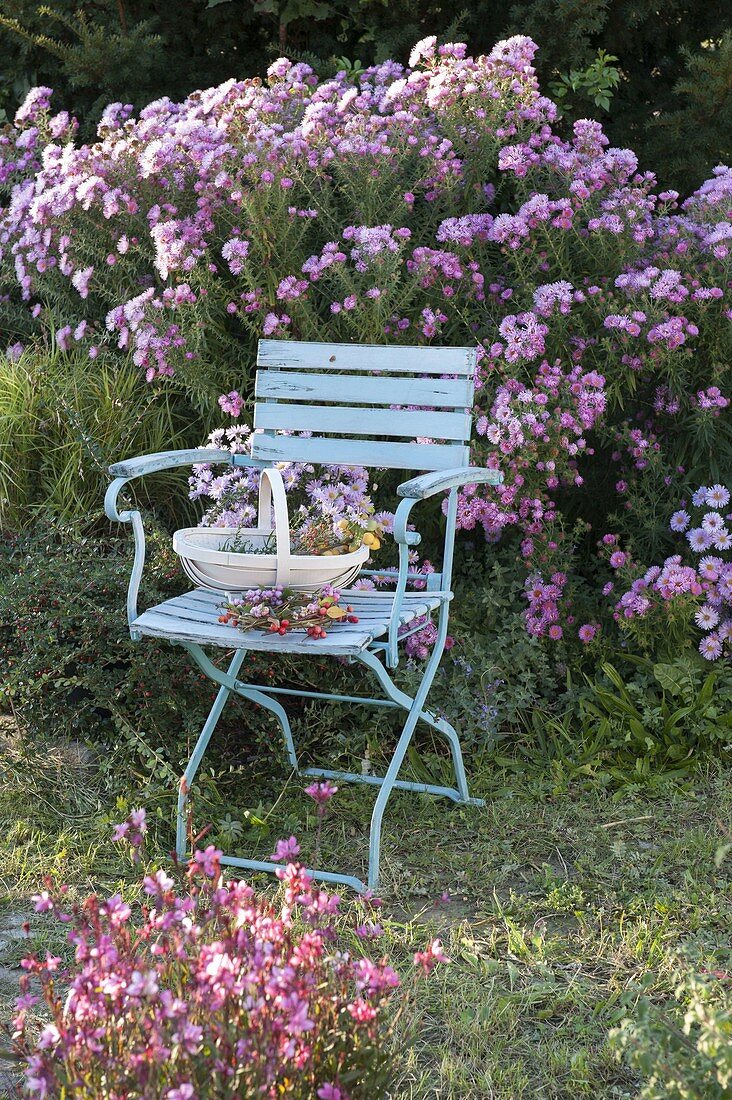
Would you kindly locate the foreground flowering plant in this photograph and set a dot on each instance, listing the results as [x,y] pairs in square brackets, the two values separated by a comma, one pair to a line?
[209,991]
[280,610]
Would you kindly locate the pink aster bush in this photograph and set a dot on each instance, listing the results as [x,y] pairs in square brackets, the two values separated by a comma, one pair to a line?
[209,991]
[437,203]
[691,591]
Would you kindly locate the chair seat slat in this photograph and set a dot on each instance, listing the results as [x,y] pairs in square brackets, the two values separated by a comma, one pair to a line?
[194,617]
[359,452]
[388,360]
[352,389]
[157,625]
[345,420]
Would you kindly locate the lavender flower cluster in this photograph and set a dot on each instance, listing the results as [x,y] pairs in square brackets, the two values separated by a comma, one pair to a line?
[335,492]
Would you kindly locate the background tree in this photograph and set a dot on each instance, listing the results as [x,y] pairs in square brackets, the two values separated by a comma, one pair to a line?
[658,77]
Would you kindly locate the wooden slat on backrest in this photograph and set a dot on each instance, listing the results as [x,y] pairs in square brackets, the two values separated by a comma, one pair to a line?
[359,452]
[300,355]
[346,420]
[301,387]
[350,389]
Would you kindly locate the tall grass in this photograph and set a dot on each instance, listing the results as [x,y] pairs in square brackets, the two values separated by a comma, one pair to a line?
[64,420]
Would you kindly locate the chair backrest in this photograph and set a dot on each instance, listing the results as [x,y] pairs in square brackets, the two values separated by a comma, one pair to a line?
[364,405]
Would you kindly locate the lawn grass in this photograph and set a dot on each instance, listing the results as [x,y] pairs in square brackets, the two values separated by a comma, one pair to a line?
[560,906]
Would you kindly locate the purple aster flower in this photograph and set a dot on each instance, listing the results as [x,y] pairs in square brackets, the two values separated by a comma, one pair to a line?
[680,520]
[699,539]
[710,647]
[717,496]
[706,618]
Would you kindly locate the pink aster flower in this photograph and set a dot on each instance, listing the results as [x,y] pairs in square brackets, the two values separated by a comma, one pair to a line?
[618,558]
[232,403]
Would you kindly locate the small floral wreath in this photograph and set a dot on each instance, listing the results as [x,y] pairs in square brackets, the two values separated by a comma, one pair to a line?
[280,610]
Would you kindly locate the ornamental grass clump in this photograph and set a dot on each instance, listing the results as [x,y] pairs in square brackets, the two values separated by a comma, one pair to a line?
[209,991]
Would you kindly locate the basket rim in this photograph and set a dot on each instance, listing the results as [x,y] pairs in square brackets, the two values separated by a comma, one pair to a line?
[182,546]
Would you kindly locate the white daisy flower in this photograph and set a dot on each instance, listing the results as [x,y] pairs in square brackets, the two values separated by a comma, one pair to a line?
[723,541]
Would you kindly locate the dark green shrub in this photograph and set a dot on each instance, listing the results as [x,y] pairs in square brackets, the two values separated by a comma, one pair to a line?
[70,669]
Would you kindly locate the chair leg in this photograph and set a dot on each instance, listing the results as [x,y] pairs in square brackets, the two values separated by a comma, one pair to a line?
[228,684]
[440,724]
[197,754]
[416,711]
[383,796]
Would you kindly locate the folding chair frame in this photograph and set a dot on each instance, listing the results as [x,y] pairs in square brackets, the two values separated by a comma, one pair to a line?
[380,655]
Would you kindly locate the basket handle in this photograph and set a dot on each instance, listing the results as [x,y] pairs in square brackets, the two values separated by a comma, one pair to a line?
[272,492]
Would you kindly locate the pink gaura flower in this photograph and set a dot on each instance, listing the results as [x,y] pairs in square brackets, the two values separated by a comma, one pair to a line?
[321,793]
[431,956]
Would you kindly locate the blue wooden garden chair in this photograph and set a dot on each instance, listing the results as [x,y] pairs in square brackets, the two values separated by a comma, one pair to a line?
[364,405]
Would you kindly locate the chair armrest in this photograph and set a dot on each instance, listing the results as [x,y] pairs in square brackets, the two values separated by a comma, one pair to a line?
[167,460]
[426,485]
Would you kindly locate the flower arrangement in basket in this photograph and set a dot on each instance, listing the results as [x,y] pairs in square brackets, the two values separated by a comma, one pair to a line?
[262,556]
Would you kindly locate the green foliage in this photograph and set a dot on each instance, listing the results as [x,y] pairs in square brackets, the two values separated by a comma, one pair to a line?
[596,83]
[644,729]
[126,51]
[64,420]
[96,61]
[69,662]
[496,673]
[697,127]
[655,723]
[650,43]
[685,1051]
